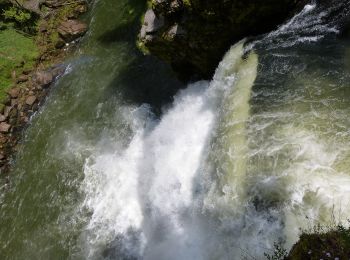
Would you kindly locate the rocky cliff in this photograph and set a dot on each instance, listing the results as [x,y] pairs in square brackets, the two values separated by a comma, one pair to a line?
[193,35]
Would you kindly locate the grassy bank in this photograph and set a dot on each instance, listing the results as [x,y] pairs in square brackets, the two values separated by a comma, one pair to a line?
[33,38]
[18,52]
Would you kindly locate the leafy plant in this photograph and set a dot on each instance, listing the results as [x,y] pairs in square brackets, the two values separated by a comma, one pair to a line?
[17,15]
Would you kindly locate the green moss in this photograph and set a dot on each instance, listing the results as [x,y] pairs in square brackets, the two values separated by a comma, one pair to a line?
[187,3]
[17,53]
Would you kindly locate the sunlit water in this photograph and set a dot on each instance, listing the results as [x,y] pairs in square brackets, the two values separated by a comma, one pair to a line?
[118,166]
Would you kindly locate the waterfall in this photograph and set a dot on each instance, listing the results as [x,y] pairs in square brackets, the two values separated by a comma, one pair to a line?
[139,196]
[228,168]
[210,180]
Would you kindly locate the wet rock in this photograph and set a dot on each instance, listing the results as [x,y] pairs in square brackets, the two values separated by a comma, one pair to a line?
[31,100]
[4,127]
[71,29]
[43,78]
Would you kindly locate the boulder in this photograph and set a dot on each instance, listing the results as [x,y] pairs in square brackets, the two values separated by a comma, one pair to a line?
[71,29]
[193,35]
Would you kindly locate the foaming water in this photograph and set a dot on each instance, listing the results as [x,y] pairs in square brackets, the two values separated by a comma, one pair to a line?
[157,175]
[312,24]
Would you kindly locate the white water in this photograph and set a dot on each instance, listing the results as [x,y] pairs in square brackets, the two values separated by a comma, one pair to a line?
[148,190]
[210,179]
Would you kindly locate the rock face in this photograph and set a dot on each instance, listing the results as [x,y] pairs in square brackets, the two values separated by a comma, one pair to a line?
[72,29]
[193,35]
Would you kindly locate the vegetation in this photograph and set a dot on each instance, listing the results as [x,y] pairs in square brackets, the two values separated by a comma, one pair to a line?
[21,43]
[321,243]
[279,253]
[17,17]
[18,52]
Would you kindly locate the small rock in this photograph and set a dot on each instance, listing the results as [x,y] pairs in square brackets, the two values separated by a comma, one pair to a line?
[2,118]
[4,127]
[14,92]
[2,156]
[30,100]
[22,78]
[151,24]
[14,102]
[176,31]
[26,71]
[60,44]
[71,29]
[7,110]
[13,113]
[13,74]
[43,78]
[43,26]
[6,100]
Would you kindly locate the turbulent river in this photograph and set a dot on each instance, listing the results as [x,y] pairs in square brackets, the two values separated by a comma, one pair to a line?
[119,164]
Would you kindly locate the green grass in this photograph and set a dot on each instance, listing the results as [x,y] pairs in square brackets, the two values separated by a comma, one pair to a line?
[17,53]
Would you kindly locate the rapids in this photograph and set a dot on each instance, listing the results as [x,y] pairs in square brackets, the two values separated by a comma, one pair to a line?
[117,165]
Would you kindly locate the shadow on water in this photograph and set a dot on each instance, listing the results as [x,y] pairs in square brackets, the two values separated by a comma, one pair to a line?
[145,79]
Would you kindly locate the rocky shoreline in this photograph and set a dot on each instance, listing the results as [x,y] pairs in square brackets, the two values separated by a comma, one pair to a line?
[58,31]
